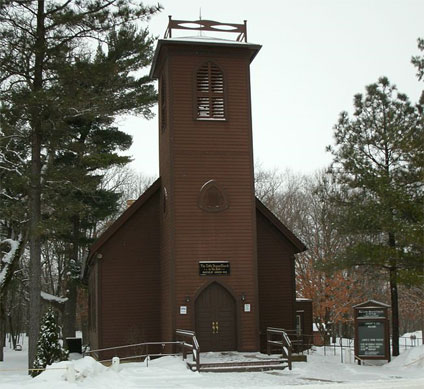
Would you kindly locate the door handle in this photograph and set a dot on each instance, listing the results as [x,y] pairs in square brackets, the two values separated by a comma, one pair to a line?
[215,328]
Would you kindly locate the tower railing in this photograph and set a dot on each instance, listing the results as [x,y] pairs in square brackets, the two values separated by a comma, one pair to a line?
[207,25]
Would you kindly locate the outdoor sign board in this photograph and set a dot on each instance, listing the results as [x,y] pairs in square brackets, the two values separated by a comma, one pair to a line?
[368,313]
[214,268]
[371,331]
[371,338]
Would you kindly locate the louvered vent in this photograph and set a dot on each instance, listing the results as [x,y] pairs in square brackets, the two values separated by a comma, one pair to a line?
[210,92]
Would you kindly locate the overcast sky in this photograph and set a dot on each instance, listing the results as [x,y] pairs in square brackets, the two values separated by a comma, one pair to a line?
[316,55]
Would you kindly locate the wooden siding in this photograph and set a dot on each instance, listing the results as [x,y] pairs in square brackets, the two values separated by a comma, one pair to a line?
[276,278]
[130,281]
[93,293]
[306,307]
[167,232]
[150,263]
[193,152]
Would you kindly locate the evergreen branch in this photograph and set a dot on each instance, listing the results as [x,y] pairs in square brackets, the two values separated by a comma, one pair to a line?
[13,22]
[29,9]
[58,9]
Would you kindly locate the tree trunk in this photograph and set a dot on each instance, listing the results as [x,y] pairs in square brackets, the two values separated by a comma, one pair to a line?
[35,193]
[3,291]
[394,298]
[69,324]
[422,316]
[35,250]
[395,311]
[70,310]
[2,332]
[13,334]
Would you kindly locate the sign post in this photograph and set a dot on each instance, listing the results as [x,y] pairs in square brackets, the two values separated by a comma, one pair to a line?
[372,335]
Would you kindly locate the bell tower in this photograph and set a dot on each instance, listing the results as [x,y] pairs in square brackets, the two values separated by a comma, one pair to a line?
[208,254]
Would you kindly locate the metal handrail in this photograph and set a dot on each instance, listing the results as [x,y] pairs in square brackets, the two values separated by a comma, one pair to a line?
[300,341]
[144,355]
[194,346]
[126,346]
[283,342]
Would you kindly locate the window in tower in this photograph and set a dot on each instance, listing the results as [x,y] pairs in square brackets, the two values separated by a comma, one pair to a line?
[210,92]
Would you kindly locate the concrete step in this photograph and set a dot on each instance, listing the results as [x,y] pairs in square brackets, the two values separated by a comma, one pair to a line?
[299,358]
[227,367]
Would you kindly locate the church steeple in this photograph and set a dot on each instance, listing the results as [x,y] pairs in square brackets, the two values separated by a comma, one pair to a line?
[206,168]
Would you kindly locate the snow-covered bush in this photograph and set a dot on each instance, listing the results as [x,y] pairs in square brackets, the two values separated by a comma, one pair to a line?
[49,347]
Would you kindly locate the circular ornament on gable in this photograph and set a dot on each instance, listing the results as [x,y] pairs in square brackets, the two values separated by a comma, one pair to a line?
[212,197]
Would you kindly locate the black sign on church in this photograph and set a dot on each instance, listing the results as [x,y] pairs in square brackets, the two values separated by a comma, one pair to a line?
[372,336]
[214,268]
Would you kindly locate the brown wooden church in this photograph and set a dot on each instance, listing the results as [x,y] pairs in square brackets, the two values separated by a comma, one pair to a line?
[197,250]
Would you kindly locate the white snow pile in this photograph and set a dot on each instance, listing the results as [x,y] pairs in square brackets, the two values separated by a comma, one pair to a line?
[412,338]
[71,371]
[412,358]
[88,373]
[323,369]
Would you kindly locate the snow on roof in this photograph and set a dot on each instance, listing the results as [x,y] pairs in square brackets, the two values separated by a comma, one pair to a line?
[50,297]
[368,304]
[207,39]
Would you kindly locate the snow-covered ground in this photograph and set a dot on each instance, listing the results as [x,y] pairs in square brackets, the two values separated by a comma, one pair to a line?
[321,371]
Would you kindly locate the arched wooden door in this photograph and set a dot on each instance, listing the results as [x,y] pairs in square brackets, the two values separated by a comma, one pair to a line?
[216,319]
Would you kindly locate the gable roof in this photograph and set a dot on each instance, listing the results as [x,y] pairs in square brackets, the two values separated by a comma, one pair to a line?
[294,240]
[371,304]
[116,225]
[130,211]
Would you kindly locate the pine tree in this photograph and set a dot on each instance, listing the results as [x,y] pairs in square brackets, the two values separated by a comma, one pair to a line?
[380,204]
[38,40]
[92,147]
[50,346]
[418,62]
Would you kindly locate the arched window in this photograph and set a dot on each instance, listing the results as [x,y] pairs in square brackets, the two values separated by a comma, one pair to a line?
[212,197]
[210,92]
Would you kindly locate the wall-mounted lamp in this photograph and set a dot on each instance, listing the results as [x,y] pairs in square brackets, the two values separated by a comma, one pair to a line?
[99,255]
[187,299]
[243,296]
